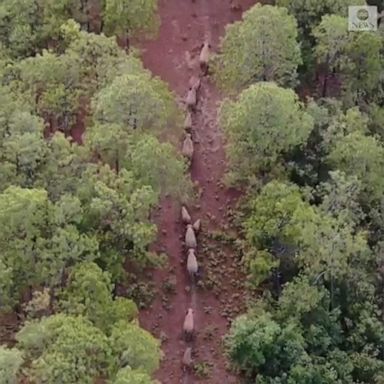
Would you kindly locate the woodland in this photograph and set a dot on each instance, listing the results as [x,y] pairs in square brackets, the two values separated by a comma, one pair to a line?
[88,150]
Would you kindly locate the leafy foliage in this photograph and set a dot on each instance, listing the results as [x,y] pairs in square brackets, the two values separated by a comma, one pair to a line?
[255,50]
[36,248]
[53,84]
[128,376]
[27,26]
[136,101]
[65,349]
[263,124]
[309,13]
[89,293]
[363,156]
[135,347]
[302,340]
[152,162]
[71,215]
[127,17]
[356,58]
[21,141]
[11,360]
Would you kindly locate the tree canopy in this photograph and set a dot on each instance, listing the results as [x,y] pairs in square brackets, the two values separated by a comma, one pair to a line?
[356,58]
[263,124]
[309,13]
[126,17]
[254,49]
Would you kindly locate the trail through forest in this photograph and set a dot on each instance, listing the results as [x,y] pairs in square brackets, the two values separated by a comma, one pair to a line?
[173,56]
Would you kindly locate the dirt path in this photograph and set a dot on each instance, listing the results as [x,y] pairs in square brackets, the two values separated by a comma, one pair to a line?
[185,24]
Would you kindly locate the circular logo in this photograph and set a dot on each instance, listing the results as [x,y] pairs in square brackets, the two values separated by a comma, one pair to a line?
[362,14]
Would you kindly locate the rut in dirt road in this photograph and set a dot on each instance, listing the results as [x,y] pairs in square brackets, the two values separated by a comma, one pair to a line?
[174,57]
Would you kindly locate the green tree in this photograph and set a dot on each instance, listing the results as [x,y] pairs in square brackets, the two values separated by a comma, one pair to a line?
[27,26]
[153,163]
[128,376]
[271,229]
[136,101]
[301,338]
[272,213]
[256,344]
[158,165]
[361,156]
[65,349]
[117,211]
[254,49]
[39,239]
[54,13]
[331,123]
[265,123]
[281,223]
[19,26]
[127,18]
[309,13]
[22,144]
[341,198]
[11,360]
[100,58]
[52,83]
[89,293]
[63,167]
[135,347]
[356,58]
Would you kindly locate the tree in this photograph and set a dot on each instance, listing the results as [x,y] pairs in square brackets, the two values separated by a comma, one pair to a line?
[98,56]
[301,338]
[271,229]
[19,25]
[27,26]
[331,123]
[255,50]
[362,156]
[65,349]
[309,13]
[160,166]
[341,198]
[11,360]
[127,18]
[63,167]
[117,212]
[22,144]
[153,163]
[89,293]
[356,58]
[282,224]
[128,376]
[54,13]
[38,239]
[136,101]
[265,123]
[134,347]
[327,247]
[256,344]
[53,84]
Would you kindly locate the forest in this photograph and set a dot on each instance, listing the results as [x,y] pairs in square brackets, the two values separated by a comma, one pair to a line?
[289,279]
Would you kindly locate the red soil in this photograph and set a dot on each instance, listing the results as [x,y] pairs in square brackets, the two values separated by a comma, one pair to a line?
[185,24]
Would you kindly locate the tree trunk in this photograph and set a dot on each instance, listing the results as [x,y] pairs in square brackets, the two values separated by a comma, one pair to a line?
[325,85]
[126,43]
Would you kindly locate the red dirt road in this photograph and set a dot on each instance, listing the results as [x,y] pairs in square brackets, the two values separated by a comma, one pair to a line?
[185,25]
